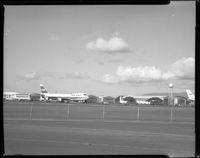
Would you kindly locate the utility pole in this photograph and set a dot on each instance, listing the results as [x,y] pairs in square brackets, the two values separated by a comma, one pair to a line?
[171,97]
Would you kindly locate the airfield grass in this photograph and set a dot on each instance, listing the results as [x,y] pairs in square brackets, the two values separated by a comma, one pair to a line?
[42,110]
[39,128]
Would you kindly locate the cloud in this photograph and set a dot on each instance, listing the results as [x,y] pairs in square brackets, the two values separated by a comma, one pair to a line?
[133,74]
[53,37]
[181,69]
[100,63]
[31,76]
[38,76]
[35,76]
[110,79]
[115,61]
[79,61]
[113,45]
[74,75]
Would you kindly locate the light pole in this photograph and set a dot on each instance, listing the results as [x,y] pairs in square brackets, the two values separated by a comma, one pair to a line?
[171,86]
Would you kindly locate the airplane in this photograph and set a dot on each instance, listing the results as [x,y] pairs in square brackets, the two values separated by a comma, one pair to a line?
[79,97]
[190,95]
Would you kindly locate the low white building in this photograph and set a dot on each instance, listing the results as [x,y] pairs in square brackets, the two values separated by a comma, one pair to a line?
[142,102]
[144,99]
[100,99]
[180,101]
[10,95]
[121,99]
[23,96]
[16,96]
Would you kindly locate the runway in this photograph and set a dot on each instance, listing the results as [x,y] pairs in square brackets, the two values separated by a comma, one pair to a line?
[74,136]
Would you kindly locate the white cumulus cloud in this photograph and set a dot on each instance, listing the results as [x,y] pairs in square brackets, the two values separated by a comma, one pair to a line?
[133,74]
[31,76]
[74,75]
[138,73]
[110,79]
[181,69]
[114,44]
[36,76]
[53,37]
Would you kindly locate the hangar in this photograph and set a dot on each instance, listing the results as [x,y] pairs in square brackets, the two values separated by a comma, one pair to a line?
[155,101]
[180,101]
[106,100]
[35,97]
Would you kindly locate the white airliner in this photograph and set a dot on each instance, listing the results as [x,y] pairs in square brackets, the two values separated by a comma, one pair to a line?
[63,97]
[190,95]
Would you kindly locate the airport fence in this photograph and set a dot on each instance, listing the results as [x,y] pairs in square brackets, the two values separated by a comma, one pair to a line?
[34,110]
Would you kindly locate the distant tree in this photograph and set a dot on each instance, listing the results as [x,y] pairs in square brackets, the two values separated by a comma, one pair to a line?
[91,99]
[130,100]
[35,97]
[109,100]
[155,101]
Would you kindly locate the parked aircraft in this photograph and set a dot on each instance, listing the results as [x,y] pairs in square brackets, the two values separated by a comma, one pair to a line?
[80,97]
[190,95]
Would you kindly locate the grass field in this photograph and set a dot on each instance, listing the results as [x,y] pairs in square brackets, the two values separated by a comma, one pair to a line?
[55,128]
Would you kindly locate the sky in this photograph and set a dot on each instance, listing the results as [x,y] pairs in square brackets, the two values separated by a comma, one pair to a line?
[100,49]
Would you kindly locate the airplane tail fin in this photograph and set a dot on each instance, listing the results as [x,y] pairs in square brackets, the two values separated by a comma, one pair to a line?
[43,90]
[190,94]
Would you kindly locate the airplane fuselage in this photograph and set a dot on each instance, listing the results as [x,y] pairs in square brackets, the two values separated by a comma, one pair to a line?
[75,96]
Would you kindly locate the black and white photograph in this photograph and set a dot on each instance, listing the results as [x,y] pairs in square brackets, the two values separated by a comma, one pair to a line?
[99,79]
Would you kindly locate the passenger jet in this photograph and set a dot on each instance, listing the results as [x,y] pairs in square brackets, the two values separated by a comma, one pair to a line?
[190,95]
[63,97]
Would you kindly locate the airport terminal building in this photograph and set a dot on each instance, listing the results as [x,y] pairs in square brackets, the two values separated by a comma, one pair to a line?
[9,95]
[16,96]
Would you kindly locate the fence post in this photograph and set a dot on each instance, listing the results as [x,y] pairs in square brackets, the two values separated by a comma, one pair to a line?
[171,114]
[31,111]
[67,111]
[103,111]
[138,113]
